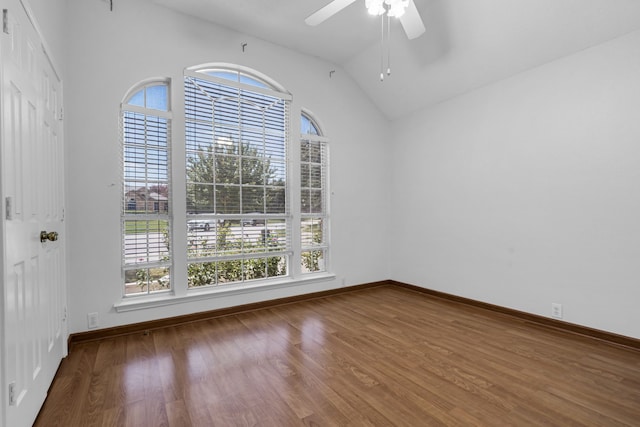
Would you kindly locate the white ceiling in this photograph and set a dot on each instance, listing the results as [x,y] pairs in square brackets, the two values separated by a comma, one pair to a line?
[468,43]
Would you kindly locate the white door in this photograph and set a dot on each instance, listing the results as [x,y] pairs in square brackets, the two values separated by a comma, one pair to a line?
[34,296]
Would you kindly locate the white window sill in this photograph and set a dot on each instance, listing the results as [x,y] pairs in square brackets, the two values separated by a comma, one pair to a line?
[141,303]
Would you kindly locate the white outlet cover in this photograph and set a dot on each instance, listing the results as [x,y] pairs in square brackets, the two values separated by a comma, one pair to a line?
[92,320]
[556,310]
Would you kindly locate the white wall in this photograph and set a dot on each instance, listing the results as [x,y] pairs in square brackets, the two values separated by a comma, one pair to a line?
[527,192]
[51,19]
[108,52]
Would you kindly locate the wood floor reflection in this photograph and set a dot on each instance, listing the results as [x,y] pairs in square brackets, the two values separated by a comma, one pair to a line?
[375,357]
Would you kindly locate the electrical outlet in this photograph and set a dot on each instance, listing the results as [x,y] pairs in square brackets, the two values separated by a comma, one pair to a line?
[556,310]
[92,320]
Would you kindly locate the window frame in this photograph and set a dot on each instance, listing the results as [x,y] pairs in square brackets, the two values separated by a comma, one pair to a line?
[142,269]
[180,292]
[214,263]
[322,246]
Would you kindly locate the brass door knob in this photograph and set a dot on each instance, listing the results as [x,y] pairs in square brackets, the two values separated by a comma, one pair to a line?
[51,235]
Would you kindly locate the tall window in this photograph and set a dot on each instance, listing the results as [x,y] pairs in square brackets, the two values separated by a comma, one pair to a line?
[313,189]
[237,189]
[146,232]
[238,218]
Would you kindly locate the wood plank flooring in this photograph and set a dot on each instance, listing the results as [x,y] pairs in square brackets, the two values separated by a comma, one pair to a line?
[383,356]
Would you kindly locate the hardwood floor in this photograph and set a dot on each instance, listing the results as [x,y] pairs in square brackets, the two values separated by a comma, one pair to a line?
[375,357]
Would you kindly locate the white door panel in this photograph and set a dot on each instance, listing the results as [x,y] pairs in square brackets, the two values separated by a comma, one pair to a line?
[33,199]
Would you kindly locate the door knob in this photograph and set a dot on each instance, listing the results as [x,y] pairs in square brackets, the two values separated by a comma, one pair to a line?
[51,235]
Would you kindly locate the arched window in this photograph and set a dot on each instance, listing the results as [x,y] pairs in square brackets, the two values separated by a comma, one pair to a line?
[146,123]
[236,192]
[313,196]
[237,130]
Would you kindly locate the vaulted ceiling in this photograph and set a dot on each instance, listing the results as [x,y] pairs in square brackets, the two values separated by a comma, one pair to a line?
[467,44]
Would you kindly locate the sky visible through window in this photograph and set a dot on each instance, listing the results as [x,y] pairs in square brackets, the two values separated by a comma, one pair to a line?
[154,97]
[235,76]
[307,127]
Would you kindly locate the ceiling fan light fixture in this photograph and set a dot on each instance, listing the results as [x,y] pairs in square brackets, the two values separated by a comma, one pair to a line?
[404,10]
[397,8]
[375,7]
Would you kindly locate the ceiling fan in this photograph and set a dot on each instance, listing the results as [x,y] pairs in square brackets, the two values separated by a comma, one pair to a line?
[404,10]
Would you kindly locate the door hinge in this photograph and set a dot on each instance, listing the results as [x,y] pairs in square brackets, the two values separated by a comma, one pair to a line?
[12,394]
[8,208]
[5,21]
[61,117]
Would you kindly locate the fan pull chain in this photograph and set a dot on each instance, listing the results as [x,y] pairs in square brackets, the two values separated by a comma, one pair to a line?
[388,45]
[382,48]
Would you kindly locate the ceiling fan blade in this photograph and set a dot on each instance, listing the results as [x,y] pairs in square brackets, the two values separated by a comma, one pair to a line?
[412,22]
[327,12]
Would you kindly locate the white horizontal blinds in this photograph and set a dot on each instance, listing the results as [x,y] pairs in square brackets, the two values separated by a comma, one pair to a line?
[146,196]
[313,188]
[237,211]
